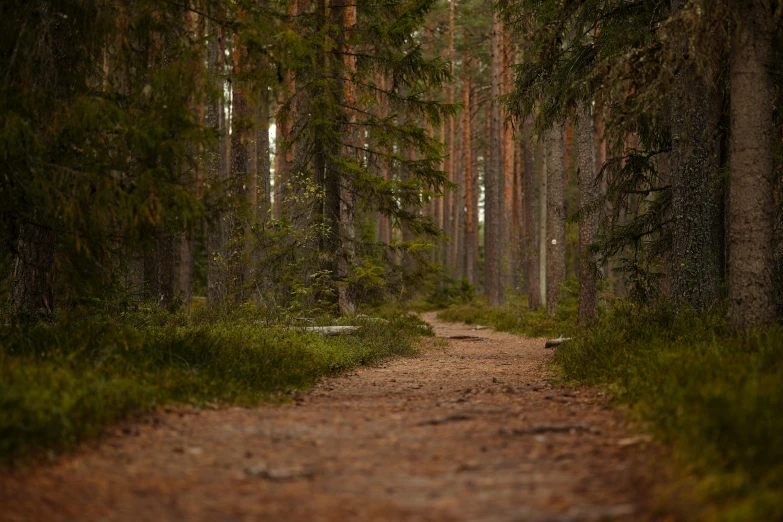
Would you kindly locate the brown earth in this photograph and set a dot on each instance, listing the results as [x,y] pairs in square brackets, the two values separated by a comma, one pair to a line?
[469,430]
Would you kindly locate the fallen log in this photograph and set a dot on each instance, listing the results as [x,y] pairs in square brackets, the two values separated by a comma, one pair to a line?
[331,331]
[551,343]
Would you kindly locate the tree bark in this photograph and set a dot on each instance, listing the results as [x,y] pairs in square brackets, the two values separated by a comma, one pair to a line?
[541,148]
[555,244]
[508,167]
[33,285]
[215,170]
[185,258]
[494,193]
[238,182]
[347,258]
[449,199]
[384,223]
[471,255]
[284,149]
[476,183]
[697,232]
[588,192]
[458,225]
[529,246]
[751,201]
[443,204]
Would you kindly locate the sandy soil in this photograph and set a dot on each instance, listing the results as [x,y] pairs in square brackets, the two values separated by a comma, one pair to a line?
[469,430]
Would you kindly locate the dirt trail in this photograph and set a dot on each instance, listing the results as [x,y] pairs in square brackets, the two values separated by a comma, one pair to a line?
[469,430]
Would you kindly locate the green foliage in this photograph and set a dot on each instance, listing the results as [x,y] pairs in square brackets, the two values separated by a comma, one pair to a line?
[516,317]
[624,58]
[713,396]
[61,384]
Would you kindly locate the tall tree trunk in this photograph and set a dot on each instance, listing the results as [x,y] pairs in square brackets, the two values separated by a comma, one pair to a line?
[384,223]
[449,199]
[277,189]
[284,148]
[588,192]
[33,284]
[443,204]
[476,183]
[238,180]
[493,216]
[185,258]
[458,208]
[751,201]
[347,258]
[183,286]
[601,156]
[555,209]
[215,170]
[697,232]
[167,257]
[541,148]
[517,219]
[251,203]
[471,255]
[529,245]
[508,166]
[160,262]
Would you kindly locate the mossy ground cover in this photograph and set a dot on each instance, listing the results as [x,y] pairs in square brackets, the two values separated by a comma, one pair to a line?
[65,382]
[714,397]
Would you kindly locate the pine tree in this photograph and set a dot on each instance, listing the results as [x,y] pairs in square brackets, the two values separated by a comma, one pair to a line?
[697,231]
[555,218]
[529,245]
[588,194]
[751,202]
[494,182]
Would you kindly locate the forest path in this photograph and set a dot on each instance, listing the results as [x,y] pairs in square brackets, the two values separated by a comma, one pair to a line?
[469,430]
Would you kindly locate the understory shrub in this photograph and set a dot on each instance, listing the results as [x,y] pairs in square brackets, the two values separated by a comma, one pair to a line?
[715,397]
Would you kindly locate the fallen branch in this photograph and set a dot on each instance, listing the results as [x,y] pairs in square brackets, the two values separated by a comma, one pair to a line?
[551,343]
[466,338]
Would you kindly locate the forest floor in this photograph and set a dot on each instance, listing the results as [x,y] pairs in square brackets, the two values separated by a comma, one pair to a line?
[469,430]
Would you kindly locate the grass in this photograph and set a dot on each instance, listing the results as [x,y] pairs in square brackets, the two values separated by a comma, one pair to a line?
[63,383]
[714,397]
[516,318]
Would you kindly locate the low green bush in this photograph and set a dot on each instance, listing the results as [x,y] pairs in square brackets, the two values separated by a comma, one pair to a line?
[715,397]
[516,317]
[61,383]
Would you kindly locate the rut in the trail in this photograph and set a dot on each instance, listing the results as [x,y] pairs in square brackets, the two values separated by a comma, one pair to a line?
[469,430]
